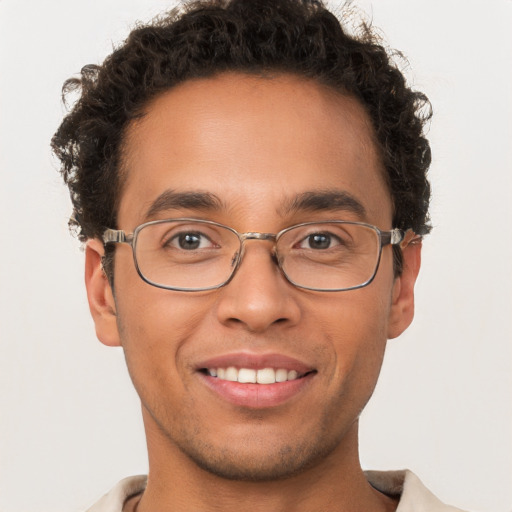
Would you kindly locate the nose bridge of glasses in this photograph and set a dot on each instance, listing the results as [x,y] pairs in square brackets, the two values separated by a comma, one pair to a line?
[257,236]
[254,235]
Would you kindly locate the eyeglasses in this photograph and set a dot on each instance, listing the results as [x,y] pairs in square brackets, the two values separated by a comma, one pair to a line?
[197,255]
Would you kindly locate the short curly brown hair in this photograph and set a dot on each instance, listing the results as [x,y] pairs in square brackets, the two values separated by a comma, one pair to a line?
[252,36]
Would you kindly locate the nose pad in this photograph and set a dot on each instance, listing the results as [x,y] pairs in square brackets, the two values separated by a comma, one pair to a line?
[278,260]
[235,259]
[273,256]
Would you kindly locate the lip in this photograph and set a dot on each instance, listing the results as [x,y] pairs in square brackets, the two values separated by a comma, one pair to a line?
[255,361]
[256,396]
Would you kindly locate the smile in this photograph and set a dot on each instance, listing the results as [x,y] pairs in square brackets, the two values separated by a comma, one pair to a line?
[256,381]
[254,376]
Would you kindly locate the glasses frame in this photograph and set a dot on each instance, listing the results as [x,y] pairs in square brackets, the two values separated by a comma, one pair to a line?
[392,237]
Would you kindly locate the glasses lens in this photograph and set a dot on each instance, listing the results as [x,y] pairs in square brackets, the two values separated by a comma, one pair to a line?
[186,255]
[329,256]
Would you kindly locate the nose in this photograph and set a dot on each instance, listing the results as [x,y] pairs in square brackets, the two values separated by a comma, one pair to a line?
[258,297]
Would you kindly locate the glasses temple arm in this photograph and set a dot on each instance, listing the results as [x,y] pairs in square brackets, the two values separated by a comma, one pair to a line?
[114,235]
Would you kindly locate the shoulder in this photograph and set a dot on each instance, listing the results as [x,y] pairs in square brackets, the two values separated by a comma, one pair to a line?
[114,500]
[414,496]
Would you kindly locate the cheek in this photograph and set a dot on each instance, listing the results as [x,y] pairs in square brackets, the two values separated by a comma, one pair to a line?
[355,329]
[151,316]
[359,317]
[154,325]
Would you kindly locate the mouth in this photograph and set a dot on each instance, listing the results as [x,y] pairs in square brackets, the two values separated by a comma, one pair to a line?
[256,381]
[264,376]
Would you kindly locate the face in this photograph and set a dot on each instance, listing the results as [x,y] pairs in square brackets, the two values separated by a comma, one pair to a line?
[257,145]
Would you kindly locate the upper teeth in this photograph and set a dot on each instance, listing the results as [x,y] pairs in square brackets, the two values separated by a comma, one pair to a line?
[249,375]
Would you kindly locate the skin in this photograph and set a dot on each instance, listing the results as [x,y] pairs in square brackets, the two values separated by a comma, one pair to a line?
[254,142]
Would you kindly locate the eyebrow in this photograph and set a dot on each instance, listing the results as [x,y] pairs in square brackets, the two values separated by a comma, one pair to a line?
[312,201]
[171,200]
[324,200]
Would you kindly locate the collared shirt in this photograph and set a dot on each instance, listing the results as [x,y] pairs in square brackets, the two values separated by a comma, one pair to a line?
[414,496]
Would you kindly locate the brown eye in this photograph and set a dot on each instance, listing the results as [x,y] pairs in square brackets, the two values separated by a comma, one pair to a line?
[319,241]
[189,241]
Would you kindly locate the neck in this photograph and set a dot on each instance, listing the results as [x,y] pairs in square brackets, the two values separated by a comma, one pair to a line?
[334,483]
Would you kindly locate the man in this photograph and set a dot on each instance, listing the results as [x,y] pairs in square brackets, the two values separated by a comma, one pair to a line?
[250,183]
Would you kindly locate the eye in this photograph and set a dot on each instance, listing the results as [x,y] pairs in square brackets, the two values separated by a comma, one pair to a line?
[190,241]
[319,241]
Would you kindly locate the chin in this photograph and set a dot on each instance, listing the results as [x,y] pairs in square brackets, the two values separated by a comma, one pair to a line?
[255,461]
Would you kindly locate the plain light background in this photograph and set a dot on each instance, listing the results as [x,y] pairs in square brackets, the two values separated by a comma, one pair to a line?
[69,420]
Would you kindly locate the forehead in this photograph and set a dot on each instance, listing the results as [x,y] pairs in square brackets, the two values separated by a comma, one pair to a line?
[255,144]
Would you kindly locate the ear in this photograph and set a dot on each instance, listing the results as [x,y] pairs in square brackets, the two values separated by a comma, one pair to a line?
[402,307]
[100,296]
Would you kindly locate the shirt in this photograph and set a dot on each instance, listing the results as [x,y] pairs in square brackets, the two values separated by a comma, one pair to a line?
[414,496]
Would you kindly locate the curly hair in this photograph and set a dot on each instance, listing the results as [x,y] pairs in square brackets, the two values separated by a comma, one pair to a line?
[208,37]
